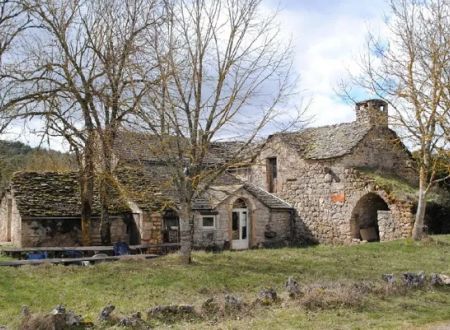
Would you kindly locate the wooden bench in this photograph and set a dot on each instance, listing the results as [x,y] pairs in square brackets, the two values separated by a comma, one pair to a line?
[13,251]
[16,263]
[99,248]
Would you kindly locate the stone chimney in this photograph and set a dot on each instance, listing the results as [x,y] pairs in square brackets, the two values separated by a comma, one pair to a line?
[372,112]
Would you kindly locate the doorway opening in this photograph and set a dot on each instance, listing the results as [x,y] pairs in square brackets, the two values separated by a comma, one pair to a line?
[364,220]
[239,225]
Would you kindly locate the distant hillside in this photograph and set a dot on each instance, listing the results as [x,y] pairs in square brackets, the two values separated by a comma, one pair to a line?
[16,156]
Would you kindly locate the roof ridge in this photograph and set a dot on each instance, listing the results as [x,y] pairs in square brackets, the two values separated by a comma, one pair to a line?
[320,127]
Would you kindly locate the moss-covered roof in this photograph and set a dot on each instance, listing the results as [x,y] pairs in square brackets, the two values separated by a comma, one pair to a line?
[52,194]
[400,189]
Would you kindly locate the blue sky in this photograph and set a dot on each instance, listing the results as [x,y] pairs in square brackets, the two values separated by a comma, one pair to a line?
[328,36]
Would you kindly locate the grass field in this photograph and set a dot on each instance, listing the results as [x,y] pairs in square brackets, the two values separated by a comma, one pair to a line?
[138,285]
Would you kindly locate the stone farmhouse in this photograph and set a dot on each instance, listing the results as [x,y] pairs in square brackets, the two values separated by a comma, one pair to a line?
[307,186]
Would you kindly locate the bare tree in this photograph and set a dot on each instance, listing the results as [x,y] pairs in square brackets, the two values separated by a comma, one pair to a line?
[81,70]
[409,69]
[224,72]
[13,21]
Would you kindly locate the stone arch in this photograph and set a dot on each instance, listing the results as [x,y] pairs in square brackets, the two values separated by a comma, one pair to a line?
[240,203]
[364,217]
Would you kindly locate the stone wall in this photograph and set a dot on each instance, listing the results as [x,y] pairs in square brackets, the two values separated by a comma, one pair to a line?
[150,226]
[10,221]
[381,150]
[51,232]
[67,232]
[118,231]
[386,226]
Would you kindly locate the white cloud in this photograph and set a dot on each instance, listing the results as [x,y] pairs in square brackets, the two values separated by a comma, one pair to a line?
[328,36]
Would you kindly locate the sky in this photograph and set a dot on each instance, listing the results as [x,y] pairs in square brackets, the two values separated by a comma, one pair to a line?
[327,36]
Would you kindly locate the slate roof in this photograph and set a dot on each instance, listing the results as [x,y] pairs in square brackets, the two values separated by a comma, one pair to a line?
[268,199]
[52,194]
[151,188]
[144,147]
[326,141]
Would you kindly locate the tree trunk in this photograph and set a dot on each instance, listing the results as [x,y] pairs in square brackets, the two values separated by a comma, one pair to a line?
[106,187]
[87,190]
[418,230]
[105,221]
[86,196]
[186,234]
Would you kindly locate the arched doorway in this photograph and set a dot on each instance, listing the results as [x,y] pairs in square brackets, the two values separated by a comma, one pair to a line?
[364,220]
[239,225]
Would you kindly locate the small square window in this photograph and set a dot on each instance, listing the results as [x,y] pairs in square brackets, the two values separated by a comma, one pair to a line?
[208,221]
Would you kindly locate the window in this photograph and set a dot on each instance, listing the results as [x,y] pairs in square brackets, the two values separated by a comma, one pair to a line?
[208,221]
[271,169]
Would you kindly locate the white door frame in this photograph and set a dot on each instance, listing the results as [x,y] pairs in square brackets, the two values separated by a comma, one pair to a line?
[243,229]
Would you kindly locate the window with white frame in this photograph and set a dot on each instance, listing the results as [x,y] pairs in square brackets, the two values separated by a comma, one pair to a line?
[208,221]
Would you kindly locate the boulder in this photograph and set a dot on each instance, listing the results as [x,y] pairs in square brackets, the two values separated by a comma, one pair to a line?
[171,313]
[440,279]
[414,279]
[267,296]
[292,287]
[389,278]
[232,303]
[210,307]
[134,321]
[105,313]
[58,318]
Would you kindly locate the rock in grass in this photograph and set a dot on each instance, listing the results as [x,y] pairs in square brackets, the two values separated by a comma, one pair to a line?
[58,310]
[267,296]
[232,303]
[414,279]
[292,287]
[210,307]
[105,313]
[134,321]
[25,311]
[389,278]
[172,313]
[440,279]
[70,318]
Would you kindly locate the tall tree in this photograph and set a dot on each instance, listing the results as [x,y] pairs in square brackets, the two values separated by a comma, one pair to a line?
[81,70]
[408,67]
[13,21]
[224,72]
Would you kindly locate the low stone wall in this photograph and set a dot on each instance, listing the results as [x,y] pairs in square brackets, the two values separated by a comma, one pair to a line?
[386,225]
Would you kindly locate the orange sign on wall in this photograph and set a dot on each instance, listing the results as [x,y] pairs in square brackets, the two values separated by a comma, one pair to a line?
[338,198]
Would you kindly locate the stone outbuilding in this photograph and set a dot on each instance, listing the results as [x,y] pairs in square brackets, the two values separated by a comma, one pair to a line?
[43,209]
[324,173]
